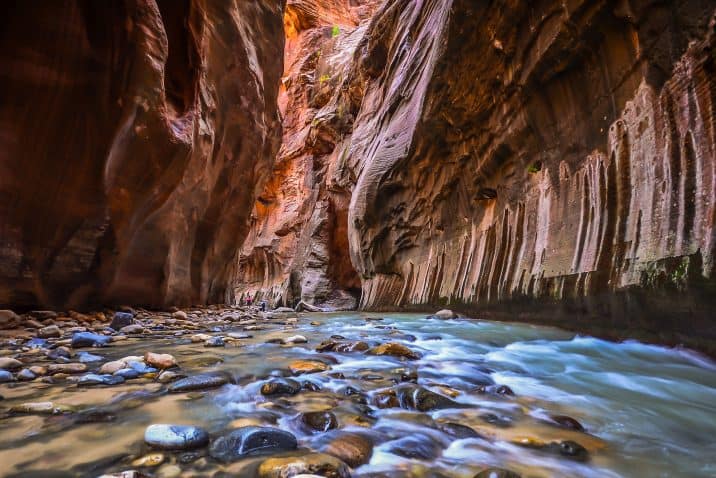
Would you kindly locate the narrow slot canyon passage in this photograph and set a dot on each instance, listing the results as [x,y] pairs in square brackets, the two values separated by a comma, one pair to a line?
[357,239]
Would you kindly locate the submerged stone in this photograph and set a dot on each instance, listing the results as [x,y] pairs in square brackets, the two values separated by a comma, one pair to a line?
[91,379]
[314,464]
[394,349]
[249,440]
[280,386]
[318,421]
[353,448]
[299,367]
[199,382]
[422,399]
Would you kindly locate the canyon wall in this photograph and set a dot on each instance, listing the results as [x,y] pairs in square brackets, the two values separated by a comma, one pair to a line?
[559,156]
[134,138]
[553,161]
[297,247]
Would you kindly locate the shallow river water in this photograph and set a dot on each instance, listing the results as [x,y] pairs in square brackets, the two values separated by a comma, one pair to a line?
[647,411]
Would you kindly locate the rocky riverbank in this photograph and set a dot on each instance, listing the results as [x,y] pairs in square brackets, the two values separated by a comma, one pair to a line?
[231,391]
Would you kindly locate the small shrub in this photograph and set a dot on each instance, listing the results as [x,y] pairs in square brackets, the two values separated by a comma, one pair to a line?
[324,78]
[335,31]
[534,167]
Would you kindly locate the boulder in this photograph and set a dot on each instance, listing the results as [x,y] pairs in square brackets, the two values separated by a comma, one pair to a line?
[319,464]
[249,440]
[175,437]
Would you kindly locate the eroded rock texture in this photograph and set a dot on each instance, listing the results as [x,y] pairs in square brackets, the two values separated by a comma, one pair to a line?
[561,152]
[557,158]
[134,137]
[297,248]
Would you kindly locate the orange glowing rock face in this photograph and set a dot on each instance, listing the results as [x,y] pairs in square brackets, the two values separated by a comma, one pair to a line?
[297,247]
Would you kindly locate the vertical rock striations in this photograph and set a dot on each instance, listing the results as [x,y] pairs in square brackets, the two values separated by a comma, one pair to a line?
[134,137]
[560,155]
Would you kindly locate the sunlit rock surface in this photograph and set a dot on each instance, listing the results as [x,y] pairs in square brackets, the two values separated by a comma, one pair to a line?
[297,248]
[134,136]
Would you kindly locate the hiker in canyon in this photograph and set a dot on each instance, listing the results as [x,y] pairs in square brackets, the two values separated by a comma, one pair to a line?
[494,220]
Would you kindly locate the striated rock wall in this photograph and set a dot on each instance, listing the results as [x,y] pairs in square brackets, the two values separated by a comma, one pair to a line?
[134,137]
[297,248]
[559,155]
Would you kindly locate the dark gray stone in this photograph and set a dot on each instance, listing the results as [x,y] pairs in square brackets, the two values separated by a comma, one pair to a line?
[250,440]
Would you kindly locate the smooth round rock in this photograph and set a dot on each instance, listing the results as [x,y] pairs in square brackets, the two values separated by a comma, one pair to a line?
[318,421]
[175,437]
[160,361]
[89,339]
[7,363]
[300,367]
[121,319]
[280,386]
[312,464]
[6,376]
[199,382]
[422,399]
[250,440]
[394,349]
[91,379]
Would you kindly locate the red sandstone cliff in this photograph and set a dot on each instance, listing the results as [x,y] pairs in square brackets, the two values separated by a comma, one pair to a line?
[560,155]
[134,137]
[297,248]
[562,152]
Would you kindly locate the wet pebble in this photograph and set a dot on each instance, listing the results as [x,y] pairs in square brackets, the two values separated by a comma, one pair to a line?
[353,448]
[344,346]
[92,379]
[416,446]
[319,464]
[280,386]
[175,437]
[26,375]
[68,368]
[318,421]
[132,329]
[300,367]
[89,339]
[86,357]
[153,459]
[199,382]
[121,320]
[6,376]
[248,440]
[51,331]
[394,349]
[7,363]
[564,421]
[422,399]
[215,342]
[160,361]
[294,339]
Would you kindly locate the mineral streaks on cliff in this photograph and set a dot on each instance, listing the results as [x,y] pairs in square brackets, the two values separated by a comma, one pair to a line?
[556,151]
[297,247]
[129,132]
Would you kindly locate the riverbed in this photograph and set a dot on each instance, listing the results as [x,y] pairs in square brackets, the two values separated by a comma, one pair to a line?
[537,401]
